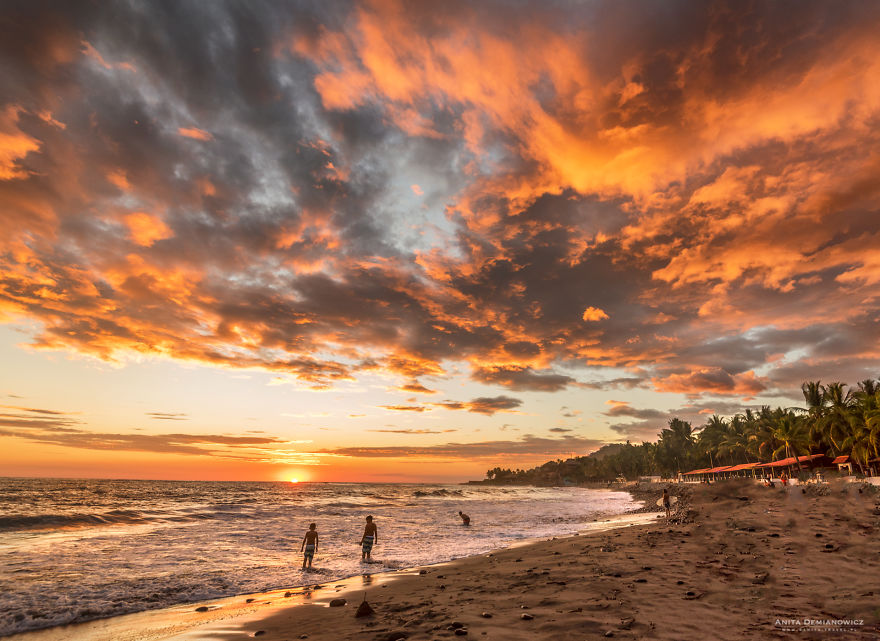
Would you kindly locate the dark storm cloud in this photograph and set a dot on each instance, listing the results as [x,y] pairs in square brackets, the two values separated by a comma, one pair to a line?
[55,433]
[484,404]
[626,410]
[522,379]
[220,182]
[528,446]
[168,416]
[412,431]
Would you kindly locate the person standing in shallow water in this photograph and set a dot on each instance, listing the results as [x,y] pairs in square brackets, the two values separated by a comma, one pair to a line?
[369,539]
[309,545]
[465,519]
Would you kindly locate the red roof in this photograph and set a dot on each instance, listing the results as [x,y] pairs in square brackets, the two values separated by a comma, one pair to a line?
[742,466]
[709,470]
[839,460]
[791,461]
[718,469]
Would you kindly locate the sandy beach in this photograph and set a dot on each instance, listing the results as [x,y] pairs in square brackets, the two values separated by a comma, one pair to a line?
[737,561]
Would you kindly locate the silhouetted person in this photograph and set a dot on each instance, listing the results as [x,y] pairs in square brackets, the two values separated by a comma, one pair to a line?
[369,539]
[310,545]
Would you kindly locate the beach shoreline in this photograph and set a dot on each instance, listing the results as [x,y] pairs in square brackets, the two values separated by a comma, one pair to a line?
[170,622]
[737,561]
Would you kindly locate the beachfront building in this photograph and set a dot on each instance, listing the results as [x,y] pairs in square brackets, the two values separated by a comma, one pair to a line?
[771,470]
[844,464]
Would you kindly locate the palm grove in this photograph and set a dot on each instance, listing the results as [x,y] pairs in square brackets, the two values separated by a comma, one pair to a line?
[836,420]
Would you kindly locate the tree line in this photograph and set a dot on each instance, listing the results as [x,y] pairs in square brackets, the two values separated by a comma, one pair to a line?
[836,420]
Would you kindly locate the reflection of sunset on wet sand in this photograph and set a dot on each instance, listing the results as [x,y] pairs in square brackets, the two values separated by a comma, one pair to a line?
[393,241]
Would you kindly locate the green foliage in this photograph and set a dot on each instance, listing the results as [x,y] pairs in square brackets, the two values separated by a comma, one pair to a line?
[835,421]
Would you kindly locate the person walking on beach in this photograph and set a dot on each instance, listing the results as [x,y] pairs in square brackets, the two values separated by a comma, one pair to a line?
[309,545]
[369,539]
[667,503]
[465,519]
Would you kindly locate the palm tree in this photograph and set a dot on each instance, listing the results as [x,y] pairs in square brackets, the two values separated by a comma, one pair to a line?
[834,421]
[791,435]
[815,399]
[862,439]
[735,440]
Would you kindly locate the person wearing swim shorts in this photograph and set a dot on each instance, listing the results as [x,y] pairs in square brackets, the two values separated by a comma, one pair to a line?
[369,539]
[309,545]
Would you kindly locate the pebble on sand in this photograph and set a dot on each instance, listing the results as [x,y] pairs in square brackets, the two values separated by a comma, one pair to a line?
[336,603]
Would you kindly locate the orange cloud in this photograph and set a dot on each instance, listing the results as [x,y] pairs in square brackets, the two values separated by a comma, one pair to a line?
[145,229]
[14,144]
[592,314]
[195,133]
[712,380]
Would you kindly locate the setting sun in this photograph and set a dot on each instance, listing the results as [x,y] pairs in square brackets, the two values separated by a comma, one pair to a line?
[294,480]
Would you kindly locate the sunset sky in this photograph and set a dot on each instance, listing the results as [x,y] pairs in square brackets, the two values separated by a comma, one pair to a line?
[413,241]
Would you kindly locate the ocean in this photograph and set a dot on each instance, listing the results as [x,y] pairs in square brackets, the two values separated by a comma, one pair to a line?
[74,550]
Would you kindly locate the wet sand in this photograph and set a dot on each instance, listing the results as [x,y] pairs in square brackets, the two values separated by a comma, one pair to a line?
[737,561]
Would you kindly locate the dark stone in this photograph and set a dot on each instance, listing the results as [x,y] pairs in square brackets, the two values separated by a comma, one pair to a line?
[609,633]
[202,608]
[287,595]
[525,616]
[259,633]
[396,636]
[423,572]
[336,603]
[818,535]
[249,600]
[455,625]
[486,615]
[641,580]
[461,632]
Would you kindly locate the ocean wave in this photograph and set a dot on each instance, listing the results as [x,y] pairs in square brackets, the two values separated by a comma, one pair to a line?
[21,522]
[440,492]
